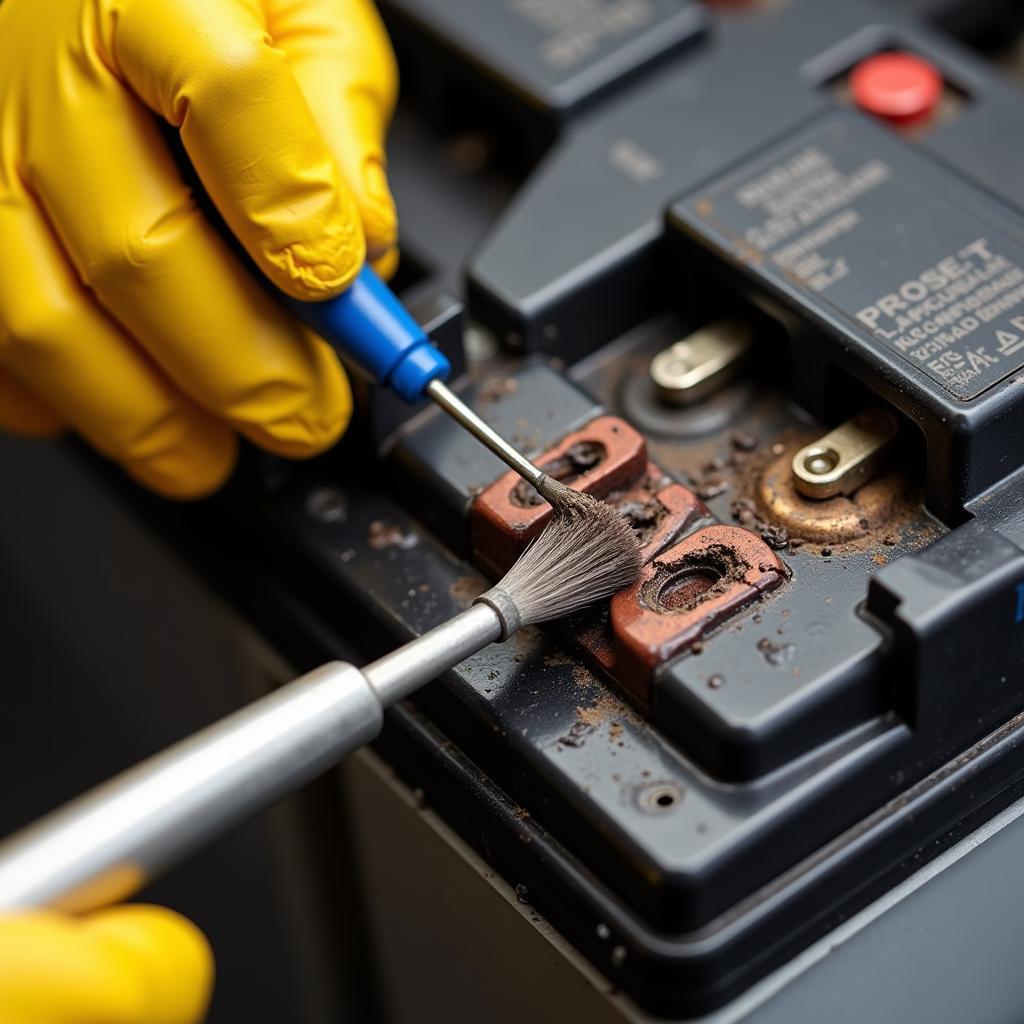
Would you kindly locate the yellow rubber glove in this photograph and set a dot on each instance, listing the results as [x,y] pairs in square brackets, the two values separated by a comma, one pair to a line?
[123,314]
[127,965]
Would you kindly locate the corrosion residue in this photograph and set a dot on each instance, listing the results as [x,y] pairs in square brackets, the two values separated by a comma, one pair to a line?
[775,653]
[886,510]
[558,658]
[645,517]
[710,480]
[684,584]
[776,537]
[390,535]
[576,735]
[607,709]
[583,677]
[497,388]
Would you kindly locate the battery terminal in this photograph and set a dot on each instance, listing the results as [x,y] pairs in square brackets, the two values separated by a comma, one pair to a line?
[845,458]
[702,362]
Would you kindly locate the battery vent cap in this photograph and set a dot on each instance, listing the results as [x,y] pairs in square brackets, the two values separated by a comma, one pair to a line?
[901,88]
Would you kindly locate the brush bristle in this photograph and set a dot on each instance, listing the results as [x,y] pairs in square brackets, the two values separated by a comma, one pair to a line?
[586,553]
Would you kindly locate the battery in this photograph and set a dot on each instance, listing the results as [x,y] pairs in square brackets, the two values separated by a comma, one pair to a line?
[896,271]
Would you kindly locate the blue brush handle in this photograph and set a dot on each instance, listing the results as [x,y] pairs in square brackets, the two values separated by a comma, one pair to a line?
[369,325]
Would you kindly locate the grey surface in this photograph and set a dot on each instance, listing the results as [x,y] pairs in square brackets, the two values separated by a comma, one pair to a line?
[452,944]
[888,217]
[455,945]
[611,178]
[942,948]
[558,55]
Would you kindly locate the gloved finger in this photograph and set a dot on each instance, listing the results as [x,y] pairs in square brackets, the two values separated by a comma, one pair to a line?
[129,965]
[340,55]
[164,273]
[387,265]
[53,335]
[168,950]
[211,68]
[24,415]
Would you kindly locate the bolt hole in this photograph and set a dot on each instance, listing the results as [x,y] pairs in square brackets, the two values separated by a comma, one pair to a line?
[661,796]
[820,461]
[687,583]
[685,589]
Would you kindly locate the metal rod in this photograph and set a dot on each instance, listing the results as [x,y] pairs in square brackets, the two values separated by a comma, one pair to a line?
[401,672]
[458,410]
[111,841]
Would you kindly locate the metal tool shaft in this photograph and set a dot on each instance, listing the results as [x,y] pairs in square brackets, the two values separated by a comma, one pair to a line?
[404,670]
[108,843]
[461,412]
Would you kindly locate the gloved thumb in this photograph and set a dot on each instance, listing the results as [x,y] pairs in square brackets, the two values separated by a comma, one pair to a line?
[167,951]
[126,965]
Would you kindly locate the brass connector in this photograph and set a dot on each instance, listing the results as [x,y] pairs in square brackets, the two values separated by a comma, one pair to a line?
[702,362]
[845,458]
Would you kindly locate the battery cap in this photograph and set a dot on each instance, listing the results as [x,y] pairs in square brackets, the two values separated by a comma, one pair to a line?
[900,87]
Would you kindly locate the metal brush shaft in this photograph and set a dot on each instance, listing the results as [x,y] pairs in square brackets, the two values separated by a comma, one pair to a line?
[400,673]
[458,410]
[110,842]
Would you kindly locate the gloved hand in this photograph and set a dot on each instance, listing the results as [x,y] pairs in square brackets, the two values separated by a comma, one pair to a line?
[123,314]
[127,965]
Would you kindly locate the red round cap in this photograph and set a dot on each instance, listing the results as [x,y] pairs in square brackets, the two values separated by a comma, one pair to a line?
[900,87]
